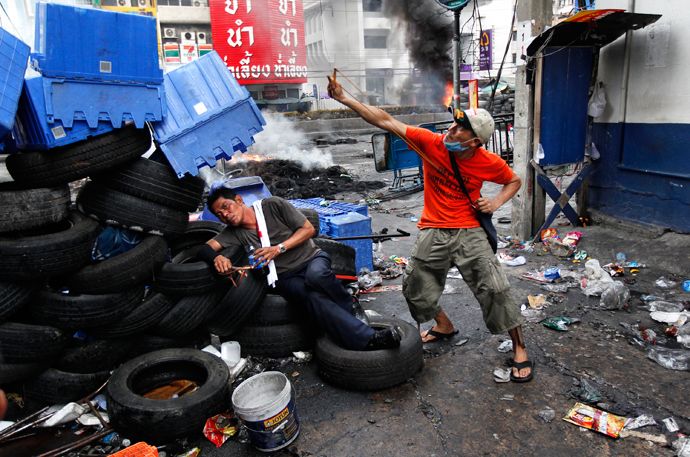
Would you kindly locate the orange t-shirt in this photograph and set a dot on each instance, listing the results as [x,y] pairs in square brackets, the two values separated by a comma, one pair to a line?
[445,203]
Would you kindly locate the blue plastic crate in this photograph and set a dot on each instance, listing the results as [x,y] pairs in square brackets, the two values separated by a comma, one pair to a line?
[324,212]
[32,130]
[342,206]
[69,100]
[350,224]
[364,253]
[209,115]
[95,44]
[250,188]
[14,56]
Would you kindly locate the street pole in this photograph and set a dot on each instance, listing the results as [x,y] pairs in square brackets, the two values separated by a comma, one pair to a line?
[456,60]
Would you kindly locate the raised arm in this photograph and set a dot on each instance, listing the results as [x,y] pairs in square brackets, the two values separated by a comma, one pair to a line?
[371,114]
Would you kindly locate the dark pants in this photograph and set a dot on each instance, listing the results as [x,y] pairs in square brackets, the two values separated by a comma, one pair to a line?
[327,301]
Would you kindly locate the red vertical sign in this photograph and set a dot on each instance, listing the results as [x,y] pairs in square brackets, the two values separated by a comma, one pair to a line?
[261,41]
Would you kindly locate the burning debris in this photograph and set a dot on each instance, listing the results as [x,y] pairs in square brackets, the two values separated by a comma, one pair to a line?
[289,179]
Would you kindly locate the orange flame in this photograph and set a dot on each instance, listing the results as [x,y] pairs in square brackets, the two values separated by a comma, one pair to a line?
[248,157]
[448,98]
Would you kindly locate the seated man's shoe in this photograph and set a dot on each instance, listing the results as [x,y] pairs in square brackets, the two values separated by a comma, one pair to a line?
[385,339]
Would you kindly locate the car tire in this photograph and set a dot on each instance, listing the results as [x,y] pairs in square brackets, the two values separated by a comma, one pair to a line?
[371,370]
[162,421]
[78,160]
[276,310]
[22,209]
[26,343]
[94,356]
[13,296]
[342,256]
[189,313]
[55,386]
[275,341]
[53,250]
[144,316]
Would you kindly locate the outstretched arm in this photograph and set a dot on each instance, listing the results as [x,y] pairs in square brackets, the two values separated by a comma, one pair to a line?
[371,114]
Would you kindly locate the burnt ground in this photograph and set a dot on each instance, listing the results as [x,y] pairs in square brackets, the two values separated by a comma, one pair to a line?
[453,407]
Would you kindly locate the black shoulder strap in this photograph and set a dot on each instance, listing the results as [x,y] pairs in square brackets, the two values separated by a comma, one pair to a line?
[458,176]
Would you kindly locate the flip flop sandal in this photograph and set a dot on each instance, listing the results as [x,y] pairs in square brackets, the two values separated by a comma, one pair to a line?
[440,336]
[519,366]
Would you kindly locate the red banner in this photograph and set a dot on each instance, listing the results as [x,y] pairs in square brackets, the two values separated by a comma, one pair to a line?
[261,41]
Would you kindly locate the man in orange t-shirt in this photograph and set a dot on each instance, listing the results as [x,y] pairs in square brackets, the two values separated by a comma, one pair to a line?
[450,233]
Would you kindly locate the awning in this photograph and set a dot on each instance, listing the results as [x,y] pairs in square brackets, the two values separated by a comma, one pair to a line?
[591,28]
[278,101]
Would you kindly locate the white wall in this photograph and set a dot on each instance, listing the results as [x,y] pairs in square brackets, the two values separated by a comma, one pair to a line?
[655,94]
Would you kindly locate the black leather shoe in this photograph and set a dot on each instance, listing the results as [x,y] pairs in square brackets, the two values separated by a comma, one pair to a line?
[385,339]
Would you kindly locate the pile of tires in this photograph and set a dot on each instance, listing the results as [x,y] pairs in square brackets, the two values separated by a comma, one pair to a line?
[51,290]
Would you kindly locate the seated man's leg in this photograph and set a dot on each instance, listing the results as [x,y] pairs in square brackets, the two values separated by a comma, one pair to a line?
[320,277]
[485,277]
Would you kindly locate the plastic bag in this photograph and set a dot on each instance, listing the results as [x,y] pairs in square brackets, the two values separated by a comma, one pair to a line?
[615,296]
[597,102]
[114,241]
[597,280]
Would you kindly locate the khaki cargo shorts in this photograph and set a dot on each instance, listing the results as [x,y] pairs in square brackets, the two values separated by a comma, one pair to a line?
[435,252]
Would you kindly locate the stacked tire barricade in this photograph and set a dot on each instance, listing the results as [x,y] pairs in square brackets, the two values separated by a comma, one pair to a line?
[75,304]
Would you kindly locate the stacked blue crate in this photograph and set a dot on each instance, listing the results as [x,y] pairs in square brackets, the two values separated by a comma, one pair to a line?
[354,224]
[324,212]
[344,207]
[210,115]
[98,66]
[14,57]
[33,131]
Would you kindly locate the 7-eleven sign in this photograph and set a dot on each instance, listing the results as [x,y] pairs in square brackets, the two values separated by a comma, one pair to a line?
[188,52]
[172,53]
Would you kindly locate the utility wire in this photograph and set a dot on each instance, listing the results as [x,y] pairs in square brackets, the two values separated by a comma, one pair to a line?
[490,105]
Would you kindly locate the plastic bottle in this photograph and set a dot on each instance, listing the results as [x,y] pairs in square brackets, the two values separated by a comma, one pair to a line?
[620,257]
[114,439]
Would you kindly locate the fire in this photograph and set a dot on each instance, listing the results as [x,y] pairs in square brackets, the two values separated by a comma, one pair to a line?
[252,157]
[448,98]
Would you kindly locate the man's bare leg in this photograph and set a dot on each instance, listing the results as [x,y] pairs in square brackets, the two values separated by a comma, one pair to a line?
[519,352]
[443,325]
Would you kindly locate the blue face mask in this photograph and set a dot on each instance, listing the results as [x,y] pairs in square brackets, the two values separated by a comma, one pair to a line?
[456,147]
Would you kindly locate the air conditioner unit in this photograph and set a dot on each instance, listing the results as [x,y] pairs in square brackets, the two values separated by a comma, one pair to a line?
[197,3]
[189,36]
[169,33]
[144,3]
[201,37]
[122,3]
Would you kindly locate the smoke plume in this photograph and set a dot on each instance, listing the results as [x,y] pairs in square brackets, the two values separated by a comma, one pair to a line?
[429,37]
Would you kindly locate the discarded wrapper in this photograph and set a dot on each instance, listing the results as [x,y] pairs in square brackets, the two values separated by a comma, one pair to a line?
[595,419]
[559,323]
[549,233]
[220,428]
[572,238]
[580,255]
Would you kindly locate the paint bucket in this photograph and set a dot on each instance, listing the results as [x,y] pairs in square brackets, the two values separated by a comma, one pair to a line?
[265,406]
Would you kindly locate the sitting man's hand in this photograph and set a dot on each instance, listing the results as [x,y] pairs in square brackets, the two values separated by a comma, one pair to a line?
[263,256]
[223,265]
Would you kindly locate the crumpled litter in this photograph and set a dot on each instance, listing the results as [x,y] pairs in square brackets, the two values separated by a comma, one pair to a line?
[640,421]
[547,415]
[368,279]
[537,301]
[67,413]
[509,260]
[677,319]
[506,346]
[454,273]
[666,306]
[219,428]
[502,374]
[559,323]
[530,314]
[596,280]
[664,283]
[585,391]
[615,296]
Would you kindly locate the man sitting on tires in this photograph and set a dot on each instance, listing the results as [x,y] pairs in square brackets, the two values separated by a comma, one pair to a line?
[304,271]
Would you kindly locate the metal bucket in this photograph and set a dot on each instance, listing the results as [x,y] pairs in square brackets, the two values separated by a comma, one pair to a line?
[265,406]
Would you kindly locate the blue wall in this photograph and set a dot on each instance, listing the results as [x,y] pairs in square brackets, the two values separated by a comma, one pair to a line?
[643,174]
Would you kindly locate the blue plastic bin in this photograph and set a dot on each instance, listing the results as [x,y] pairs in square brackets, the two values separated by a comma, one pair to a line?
[94,44]
[68,100]
[209,115]
[353,224]
[402,156]
[14,57]
[342,206]
[323,211]
[32,130]
[250,188]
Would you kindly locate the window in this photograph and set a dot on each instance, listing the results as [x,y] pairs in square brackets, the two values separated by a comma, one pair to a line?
[281,93]
[374,42]
[294,93]
[375,85]
[514,35]
[514,57]
[371,6]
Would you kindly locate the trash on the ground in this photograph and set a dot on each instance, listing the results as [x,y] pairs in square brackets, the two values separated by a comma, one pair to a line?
[553,298]
[114,439]
[414,219]
[682,446]
[559,248]
[230,353]
[194,452]
[547,415]
[382,289]
[506,346]
[572,238]
[671,424]
[173,390]
[666,306]
[537,301]
[368,279]
[559,323]
[89,419]
[302,356]
[502,374]
[212,350]
[67,413]
[684,340]
[614,270]
[581,255]
[454,273]
[559,288]
[677,319]
[237,369]
[509,260]
[595,419]
[639,421]
[220,428]
[531,315]
[535,276]
[615,296]
[371,313]
[552,273]
[621,257]
[659,439]
[507,397]
[633,265]
[664,283]
[596,280]
[548,234]
[583,390]
[686,286]
[140,449]
[673,359]
[461,342]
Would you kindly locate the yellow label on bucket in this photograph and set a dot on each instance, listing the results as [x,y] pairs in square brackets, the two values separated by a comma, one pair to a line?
[275,420]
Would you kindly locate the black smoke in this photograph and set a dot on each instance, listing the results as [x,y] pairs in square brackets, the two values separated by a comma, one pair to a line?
[429,39]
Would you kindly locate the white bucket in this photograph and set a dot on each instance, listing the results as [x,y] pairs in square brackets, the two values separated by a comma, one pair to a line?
[265,405]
